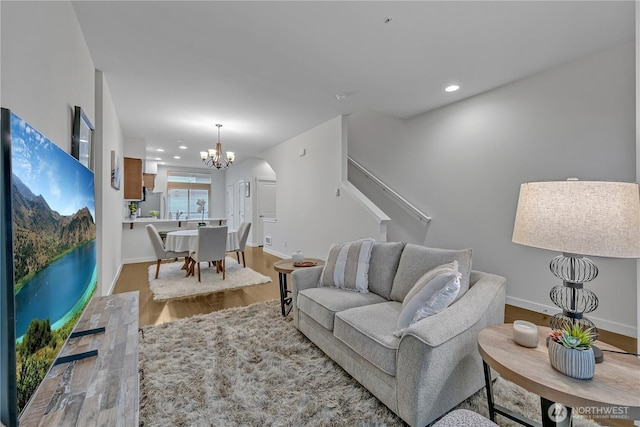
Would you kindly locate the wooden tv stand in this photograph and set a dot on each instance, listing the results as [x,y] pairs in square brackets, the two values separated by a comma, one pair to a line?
[98,390]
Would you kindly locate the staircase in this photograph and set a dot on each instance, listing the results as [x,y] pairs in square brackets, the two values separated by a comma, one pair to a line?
[408,223]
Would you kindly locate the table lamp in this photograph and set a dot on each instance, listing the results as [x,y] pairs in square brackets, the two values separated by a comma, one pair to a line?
[578,218]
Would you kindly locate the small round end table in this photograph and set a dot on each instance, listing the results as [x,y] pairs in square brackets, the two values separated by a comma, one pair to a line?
[284,267]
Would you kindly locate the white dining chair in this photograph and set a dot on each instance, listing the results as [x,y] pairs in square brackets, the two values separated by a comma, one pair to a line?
[159,249]
[212,246]
[243,234]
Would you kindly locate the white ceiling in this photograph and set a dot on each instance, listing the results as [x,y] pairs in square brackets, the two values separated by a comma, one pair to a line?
[268,71]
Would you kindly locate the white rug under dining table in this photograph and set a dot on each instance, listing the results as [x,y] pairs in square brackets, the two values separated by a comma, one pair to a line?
[172,283]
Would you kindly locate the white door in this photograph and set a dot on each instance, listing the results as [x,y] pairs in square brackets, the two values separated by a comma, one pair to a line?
[229,207]
[266,204]
[241,207]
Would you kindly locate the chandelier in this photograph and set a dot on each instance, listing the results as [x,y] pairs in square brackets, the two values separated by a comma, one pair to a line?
[215,158]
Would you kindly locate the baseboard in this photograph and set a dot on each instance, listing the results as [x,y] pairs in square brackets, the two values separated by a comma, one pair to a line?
[618,328]
[135,260]
[115,279]
[268,250]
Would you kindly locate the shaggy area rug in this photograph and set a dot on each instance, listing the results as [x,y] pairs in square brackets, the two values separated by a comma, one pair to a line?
[250,366]
[172,283]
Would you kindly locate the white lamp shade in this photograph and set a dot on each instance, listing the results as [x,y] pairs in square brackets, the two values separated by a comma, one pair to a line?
[593,218]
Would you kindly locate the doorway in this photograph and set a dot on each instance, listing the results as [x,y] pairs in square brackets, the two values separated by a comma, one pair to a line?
[265,204]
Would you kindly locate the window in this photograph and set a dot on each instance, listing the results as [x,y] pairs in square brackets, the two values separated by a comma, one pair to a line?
[184,189]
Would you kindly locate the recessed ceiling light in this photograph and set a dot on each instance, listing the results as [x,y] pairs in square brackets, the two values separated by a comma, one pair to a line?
[451,88]
[176,157]
[161,163]
[160,150]
[158,158]
[183,147]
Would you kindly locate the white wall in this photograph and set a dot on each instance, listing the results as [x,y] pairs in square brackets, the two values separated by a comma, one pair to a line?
[248,171]
[638,155]
[310,217]
[46,67]
[464,163]
[108,137]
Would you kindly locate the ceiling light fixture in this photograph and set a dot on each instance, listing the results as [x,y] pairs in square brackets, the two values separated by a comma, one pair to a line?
[176,157]
[214,158]
[183,147]
[160,150]
[451,88]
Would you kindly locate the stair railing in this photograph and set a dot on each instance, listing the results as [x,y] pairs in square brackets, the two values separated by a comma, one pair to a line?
[404,203]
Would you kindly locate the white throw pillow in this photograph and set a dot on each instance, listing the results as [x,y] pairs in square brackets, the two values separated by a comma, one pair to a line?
[438,302]
[347,266]
[425,280]
[432,290]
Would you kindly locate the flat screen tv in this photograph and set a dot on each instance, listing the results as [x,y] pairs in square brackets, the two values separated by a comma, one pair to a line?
[51,273]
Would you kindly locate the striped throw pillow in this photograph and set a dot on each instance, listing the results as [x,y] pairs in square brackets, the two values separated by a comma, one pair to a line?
[347,266]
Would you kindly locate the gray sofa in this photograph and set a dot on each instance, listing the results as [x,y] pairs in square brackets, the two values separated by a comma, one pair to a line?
[435,365]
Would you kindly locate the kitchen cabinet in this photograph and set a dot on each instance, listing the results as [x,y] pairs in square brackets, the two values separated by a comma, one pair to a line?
[148,180]
[132,178]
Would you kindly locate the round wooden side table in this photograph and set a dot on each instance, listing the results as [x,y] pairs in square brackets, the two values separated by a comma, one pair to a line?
[284,267]
[614,390]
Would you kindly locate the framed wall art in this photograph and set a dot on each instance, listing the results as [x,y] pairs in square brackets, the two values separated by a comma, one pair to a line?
[115,170]
[82,138]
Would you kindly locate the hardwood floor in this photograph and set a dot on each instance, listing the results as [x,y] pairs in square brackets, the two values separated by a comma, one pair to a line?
[134,277]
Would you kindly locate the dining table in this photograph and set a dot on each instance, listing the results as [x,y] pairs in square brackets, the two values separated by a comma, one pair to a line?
[187,241]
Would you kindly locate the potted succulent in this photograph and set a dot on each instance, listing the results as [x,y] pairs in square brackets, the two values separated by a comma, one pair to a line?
[154,214]
[133,209]
[570,351]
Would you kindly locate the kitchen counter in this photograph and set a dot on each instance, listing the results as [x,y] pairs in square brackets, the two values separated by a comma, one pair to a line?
[136,245]
[152,220]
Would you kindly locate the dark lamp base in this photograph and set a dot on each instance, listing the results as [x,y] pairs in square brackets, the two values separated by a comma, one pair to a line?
[597,353]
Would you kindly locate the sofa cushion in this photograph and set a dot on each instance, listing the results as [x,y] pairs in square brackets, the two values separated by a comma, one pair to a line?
[417,260]
[321,304]
[383,265]
[347,266]
[373,340]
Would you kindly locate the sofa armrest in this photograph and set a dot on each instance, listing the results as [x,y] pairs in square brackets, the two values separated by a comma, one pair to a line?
[303,278]
[438,364]
[466,312]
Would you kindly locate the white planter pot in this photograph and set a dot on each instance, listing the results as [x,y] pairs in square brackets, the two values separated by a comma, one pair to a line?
[579,364]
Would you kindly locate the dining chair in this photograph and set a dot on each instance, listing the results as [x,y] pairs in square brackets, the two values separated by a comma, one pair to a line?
[159,249]
[212,246]
[243,233]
